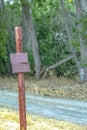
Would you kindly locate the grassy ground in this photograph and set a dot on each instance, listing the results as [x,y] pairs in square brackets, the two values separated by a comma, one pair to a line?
[9,120]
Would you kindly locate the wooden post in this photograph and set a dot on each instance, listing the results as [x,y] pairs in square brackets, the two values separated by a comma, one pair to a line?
[21,82]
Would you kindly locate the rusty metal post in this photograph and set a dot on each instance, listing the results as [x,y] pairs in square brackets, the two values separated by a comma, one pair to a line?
[21,82]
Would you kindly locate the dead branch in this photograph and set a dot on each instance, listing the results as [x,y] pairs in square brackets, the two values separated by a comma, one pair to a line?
[51,67]
[59,63]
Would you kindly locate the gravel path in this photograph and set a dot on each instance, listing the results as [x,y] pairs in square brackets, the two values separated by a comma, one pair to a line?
[61,109]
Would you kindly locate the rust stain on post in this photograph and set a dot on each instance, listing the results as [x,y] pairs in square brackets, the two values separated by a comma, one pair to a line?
[21,82]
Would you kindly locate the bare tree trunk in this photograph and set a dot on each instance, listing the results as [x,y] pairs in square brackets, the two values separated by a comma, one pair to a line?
[66,21]
[83,46]
[33,38]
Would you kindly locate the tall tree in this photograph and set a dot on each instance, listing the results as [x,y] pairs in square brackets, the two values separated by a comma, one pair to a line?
[68,31]
[32,38]
[82,37]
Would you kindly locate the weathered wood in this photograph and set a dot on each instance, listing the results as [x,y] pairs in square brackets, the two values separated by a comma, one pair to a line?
[19,62]
[19,58]
[20,67]
[21,81]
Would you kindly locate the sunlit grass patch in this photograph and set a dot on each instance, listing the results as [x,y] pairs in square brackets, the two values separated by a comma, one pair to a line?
[9,120]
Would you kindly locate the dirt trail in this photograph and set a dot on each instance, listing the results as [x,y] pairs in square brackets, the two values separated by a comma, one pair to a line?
[61,109]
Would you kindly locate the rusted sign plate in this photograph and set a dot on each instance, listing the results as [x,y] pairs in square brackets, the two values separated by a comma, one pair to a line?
[20,67]
[19,58]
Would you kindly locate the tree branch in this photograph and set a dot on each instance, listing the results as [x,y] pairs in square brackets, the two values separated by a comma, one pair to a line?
[51,67]
[59,63]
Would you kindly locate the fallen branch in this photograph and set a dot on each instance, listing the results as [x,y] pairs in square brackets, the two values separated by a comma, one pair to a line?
[59,63]
[51,67]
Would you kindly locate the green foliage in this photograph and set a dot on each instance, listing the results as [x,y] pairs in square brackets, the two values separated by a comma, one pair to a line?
[3,35]
[50,29]
[51,34]
[9,18]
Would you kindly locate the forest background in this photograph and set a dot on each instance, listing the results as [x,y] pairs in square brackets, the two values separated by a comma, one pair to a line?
[54,36]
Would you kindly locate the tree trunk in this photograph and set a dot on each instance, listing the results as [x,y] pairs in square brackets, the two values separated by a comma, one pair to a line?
[83,46]
[32,38]
[66,21]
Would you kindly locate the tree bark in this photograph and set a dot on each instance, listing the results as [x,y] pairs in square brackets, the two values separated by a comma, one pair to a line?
[33,38]
[83,46]
[66,21]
